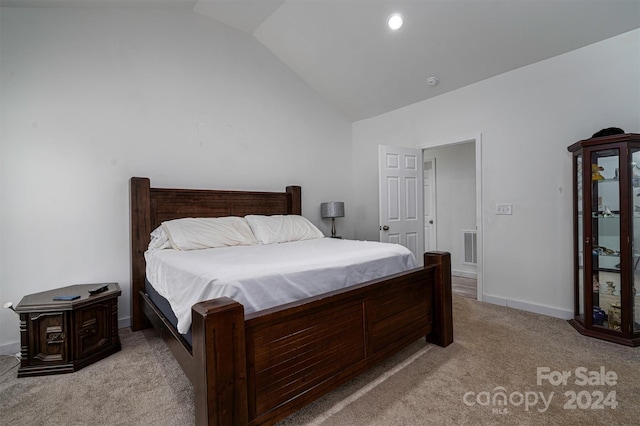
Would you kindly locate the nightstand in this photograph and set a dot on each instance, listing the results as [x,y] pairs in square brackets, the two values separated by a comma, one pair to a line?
[64,336]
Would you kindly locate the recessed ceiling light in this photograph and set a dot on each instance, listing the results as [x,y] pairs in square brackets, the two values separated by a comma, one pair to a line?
[395,22]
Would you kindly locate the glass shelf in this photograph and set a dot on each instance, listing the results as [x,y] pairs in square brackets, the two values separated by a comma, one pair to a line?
[599,215]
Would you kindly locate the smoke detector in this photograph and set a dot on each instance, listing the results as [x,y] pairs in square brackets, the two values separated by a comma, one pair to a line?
[433,81]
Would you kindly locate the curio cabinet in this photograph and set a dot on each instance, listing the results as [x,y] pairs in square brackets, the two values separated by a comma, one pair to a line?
[606,180]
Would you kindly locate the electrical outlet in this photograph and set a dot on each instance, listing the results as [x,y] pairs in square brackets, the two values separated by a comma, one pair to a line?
[504,208]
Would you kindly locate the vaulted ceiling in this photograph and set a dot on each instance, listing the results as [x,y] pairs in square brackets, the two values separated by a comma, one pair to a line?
[346,52]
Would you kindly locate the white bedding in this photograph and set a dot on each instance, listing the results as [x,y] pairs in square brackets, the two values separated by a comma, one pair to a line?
[263,276]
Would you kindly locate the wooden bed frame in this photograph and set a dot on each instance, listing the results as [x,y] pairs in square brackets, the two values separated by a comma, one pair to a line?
[260,368]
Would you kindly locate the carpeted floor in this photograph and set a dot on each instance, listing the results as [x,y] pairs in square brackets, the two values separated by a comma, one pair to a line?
[497,351]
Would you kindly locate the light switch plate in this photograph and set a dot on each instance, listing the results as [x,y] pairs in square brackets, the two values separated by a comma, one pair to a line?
[504,208]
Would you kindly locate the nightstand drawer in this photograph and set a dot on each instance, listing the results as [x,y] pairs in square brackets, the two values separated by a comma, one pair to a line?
[48,341]
[93,328]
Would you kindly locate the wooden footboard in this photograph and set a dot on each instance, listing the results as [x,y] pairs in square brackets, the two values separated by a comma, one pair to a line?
[260,368]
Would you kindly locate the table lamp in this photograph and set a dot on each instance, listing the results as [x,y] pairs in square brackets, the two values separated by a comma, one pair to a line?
[332,209]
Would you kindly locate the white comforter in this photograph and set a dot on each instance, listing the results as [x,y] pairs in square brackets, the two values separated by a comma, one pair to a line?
[263,276]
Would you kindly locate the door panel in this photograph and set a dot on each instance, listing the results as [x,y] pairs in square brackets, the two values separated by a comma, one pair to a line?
[401,197]
[393,198]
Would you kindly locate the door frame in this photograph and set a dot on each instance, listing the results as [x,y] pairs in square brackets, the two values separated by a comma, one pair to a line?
[477,138]
[433,199]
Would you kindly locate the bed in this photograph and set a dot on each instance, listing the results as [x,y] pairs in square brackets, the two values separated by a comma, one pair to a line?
[258,368]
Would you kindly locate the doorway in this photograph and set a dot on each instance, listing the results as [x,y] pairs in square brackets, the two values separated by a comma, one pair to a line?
[453,208]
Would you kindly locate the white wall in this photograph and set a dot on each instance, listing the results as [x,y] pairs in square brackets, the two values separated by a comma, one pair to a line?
[527,118]
[92,97]
[455,200]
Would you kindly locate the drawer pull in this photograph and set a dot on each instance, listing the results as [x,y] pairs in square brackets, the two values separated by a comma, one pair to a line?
[55,338]
[88,330]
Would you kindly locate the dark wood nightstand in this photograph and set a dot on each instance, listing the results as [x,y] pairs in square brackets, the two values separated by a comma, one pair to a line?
[65,336]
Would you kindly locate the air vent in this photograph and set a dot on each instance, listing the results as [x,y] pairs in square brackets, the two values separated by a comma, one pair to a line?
[470,245]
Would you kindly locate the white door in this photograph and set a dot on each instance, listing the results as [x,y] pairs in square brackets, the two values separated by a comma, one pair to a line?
[401,205]
[429,204]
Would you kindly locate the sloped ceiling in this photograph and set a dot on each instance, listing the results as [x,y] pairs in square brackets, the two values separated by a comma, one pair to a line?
[345,51]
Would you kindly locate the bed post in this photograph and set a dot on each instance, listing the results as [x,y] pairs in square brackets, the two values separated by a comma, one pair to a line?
[140,192]
[220,363]
[295,206]
[442,334]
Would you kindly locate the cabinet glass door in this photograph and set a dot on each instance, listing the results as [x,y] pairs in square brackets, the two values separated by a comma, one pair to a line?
[605,236]
[580,237]
[635,241]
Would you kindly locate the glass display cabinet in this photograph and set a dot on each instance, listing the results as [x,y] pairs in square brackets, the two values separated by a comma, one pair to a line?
[606,181]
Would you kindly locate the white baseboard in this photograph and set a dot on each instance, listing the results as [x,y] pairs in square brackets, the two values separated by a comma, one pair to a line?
[529,307]
[124,322]
[10,348]
[465,274]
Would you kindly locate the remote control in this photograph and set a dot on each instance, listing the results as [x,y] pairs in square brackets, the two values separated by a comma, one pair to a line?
[99,289]
[66,297]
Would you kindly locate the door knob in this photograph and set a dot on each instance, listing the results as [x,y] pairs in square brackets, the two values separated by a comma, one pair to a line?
[431,222]
[385,228]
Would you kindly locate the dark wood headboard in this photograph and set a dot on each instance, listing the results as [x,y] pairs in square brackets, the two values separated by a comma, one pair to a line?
[152,206]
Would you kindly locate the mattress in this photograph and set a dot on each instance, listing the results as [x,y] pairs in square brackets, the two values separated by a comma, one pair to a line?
[263,276]
[163,305]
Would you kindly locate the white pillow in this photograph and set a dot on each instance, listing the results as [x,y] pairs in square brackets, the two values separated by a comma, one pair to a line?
[282,228]
[208,232]
[159,239]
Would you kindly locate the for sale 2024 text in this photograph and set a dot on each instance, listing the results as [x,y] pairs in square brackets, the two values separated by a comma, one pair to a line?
[583,377]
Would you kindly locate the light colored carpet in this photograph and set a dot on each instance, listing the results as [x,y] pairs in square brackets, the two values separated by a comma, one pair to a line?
[140,385]
[494,348]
